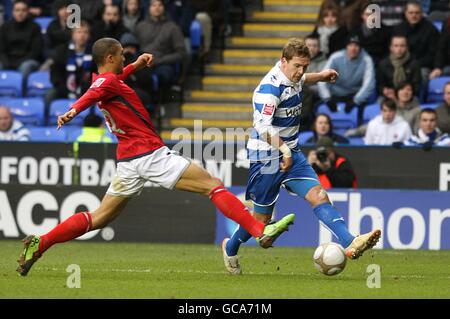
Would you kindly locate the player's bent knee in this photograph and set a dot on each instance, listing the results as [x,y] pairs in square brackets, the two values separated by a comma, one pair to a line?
[317,195]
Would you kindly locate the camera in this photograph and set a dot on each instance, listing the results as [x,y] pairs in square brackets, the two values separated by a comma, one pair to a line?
[322,154]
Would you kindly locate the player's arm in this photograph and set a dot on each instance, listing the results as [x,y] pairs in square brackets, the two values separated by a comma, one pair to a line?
[101,89]
[328,75]
[267,131]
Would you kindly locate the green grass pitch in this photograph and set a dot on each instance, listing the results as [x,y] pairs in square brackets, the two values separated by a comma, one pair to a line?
[124,270]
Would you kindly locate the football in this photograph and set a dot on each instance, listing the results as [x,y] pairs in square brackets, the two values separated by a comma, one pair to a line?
[329,259]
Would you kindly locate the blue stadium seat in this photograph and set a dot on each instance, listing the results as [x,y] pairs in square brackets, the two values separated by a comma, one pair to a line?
[429,105]
[370,111]
[29,111]
[356,141]
[38,83]
[340,118]
[73,133]
[59,107]
[304,136]
[43,23]
[196,35]
[436,89]
[46,134]
[11,83]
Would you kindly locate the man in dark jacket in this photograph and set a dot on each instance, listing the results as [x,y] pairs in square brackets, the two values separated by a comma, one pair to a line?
[21,43]
[422,36]
[397,68]
[442,60]
[164,39]
[110,26]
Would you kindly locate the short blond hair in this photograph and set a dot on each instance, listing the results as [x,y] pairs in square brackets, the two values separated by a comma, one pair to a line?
[295,47]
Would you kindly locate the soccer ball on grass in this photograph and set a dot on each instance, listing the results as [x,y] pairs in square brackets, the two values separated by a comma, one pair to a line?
[329,259]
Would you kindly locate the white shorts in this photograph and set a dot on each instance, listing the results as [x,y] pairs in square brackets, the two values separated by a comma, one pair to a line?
[163,167]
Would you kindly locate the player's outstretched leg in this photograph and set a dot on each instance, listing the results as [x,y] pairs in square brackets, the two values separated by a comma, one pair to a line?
[195,179]
[73,227]
[329,217]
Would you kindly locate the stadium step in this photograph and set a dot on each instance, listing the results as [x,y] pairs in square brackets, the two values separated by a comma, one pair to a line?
[218,96]
[251,43]
[220,124]
[238,69]
[230,83]
[292,5]
[251,56]
[283,17]
[277,30]
[217,111]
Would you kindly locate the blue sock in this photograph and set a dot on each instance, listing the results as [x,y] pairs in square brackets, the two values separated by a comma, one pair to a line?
[239,237]
[329,216]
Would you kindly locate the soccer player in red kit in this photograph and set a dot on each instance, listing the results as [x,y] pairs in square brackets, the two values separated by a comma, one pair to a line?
[141,156]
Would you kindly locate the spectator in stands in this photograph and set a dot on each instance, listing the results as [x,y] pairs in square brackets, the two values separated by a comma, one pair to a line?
[351,13]
[132,14]
[356,81]
[164,39]
[21,44]
[91,10]
[209,14]
[387,128]
[397,68]
[422,36]
[408,105]
[71,71]
[94,130]
[443,111]
[429,134]
[58,32]
[323,126]
[442,60]
[110,26]
[333,169]
[11,129]
[374,40]
[332,37]
[140,81]
[318,59]
[40,8]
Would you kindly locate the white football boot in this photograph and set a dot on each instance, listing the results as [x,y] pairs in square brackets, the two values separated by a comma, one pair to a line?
[231,263]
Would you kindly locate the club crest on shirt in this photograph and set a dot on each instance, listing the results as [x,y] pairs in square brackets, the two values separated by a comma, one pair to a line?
[97,83]
[268,109]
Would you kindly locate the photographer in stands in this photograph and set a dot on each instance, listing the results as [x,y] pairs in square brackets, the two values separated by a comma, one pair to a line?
[333,169]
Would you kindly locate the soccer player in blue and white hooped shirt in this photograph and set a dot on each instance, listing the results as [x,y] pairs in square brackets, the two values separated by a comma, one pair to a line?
[276,159]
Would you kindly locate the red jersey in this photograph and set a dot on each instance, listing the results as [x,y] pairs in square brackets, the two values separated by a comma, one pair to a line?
[124,112]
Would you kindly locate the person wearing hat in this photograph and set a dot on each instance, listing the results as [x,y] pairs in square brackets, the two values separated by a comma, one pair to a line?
[333,169]
[356,81]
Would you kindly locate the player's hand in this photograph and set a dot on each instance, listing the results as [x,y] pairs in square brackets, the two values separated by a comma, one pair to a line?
[286,164]
[66,117]
[144,60]
[329,75]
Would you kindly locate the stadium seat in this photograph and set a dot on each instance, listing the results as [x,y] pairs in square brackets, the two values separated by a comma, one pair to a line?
[43,23]
[59,107]
[29,111]
[11,83]
[357,141]
[304,136]
[38,83]
[436,89]
[73,133]
[46,134]
[195,35]
[429,105]
[340,118]
[370,111]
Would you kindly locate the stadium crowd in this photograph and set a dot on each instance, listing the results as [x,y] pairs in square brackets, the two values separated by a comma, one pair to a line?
[389,73]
